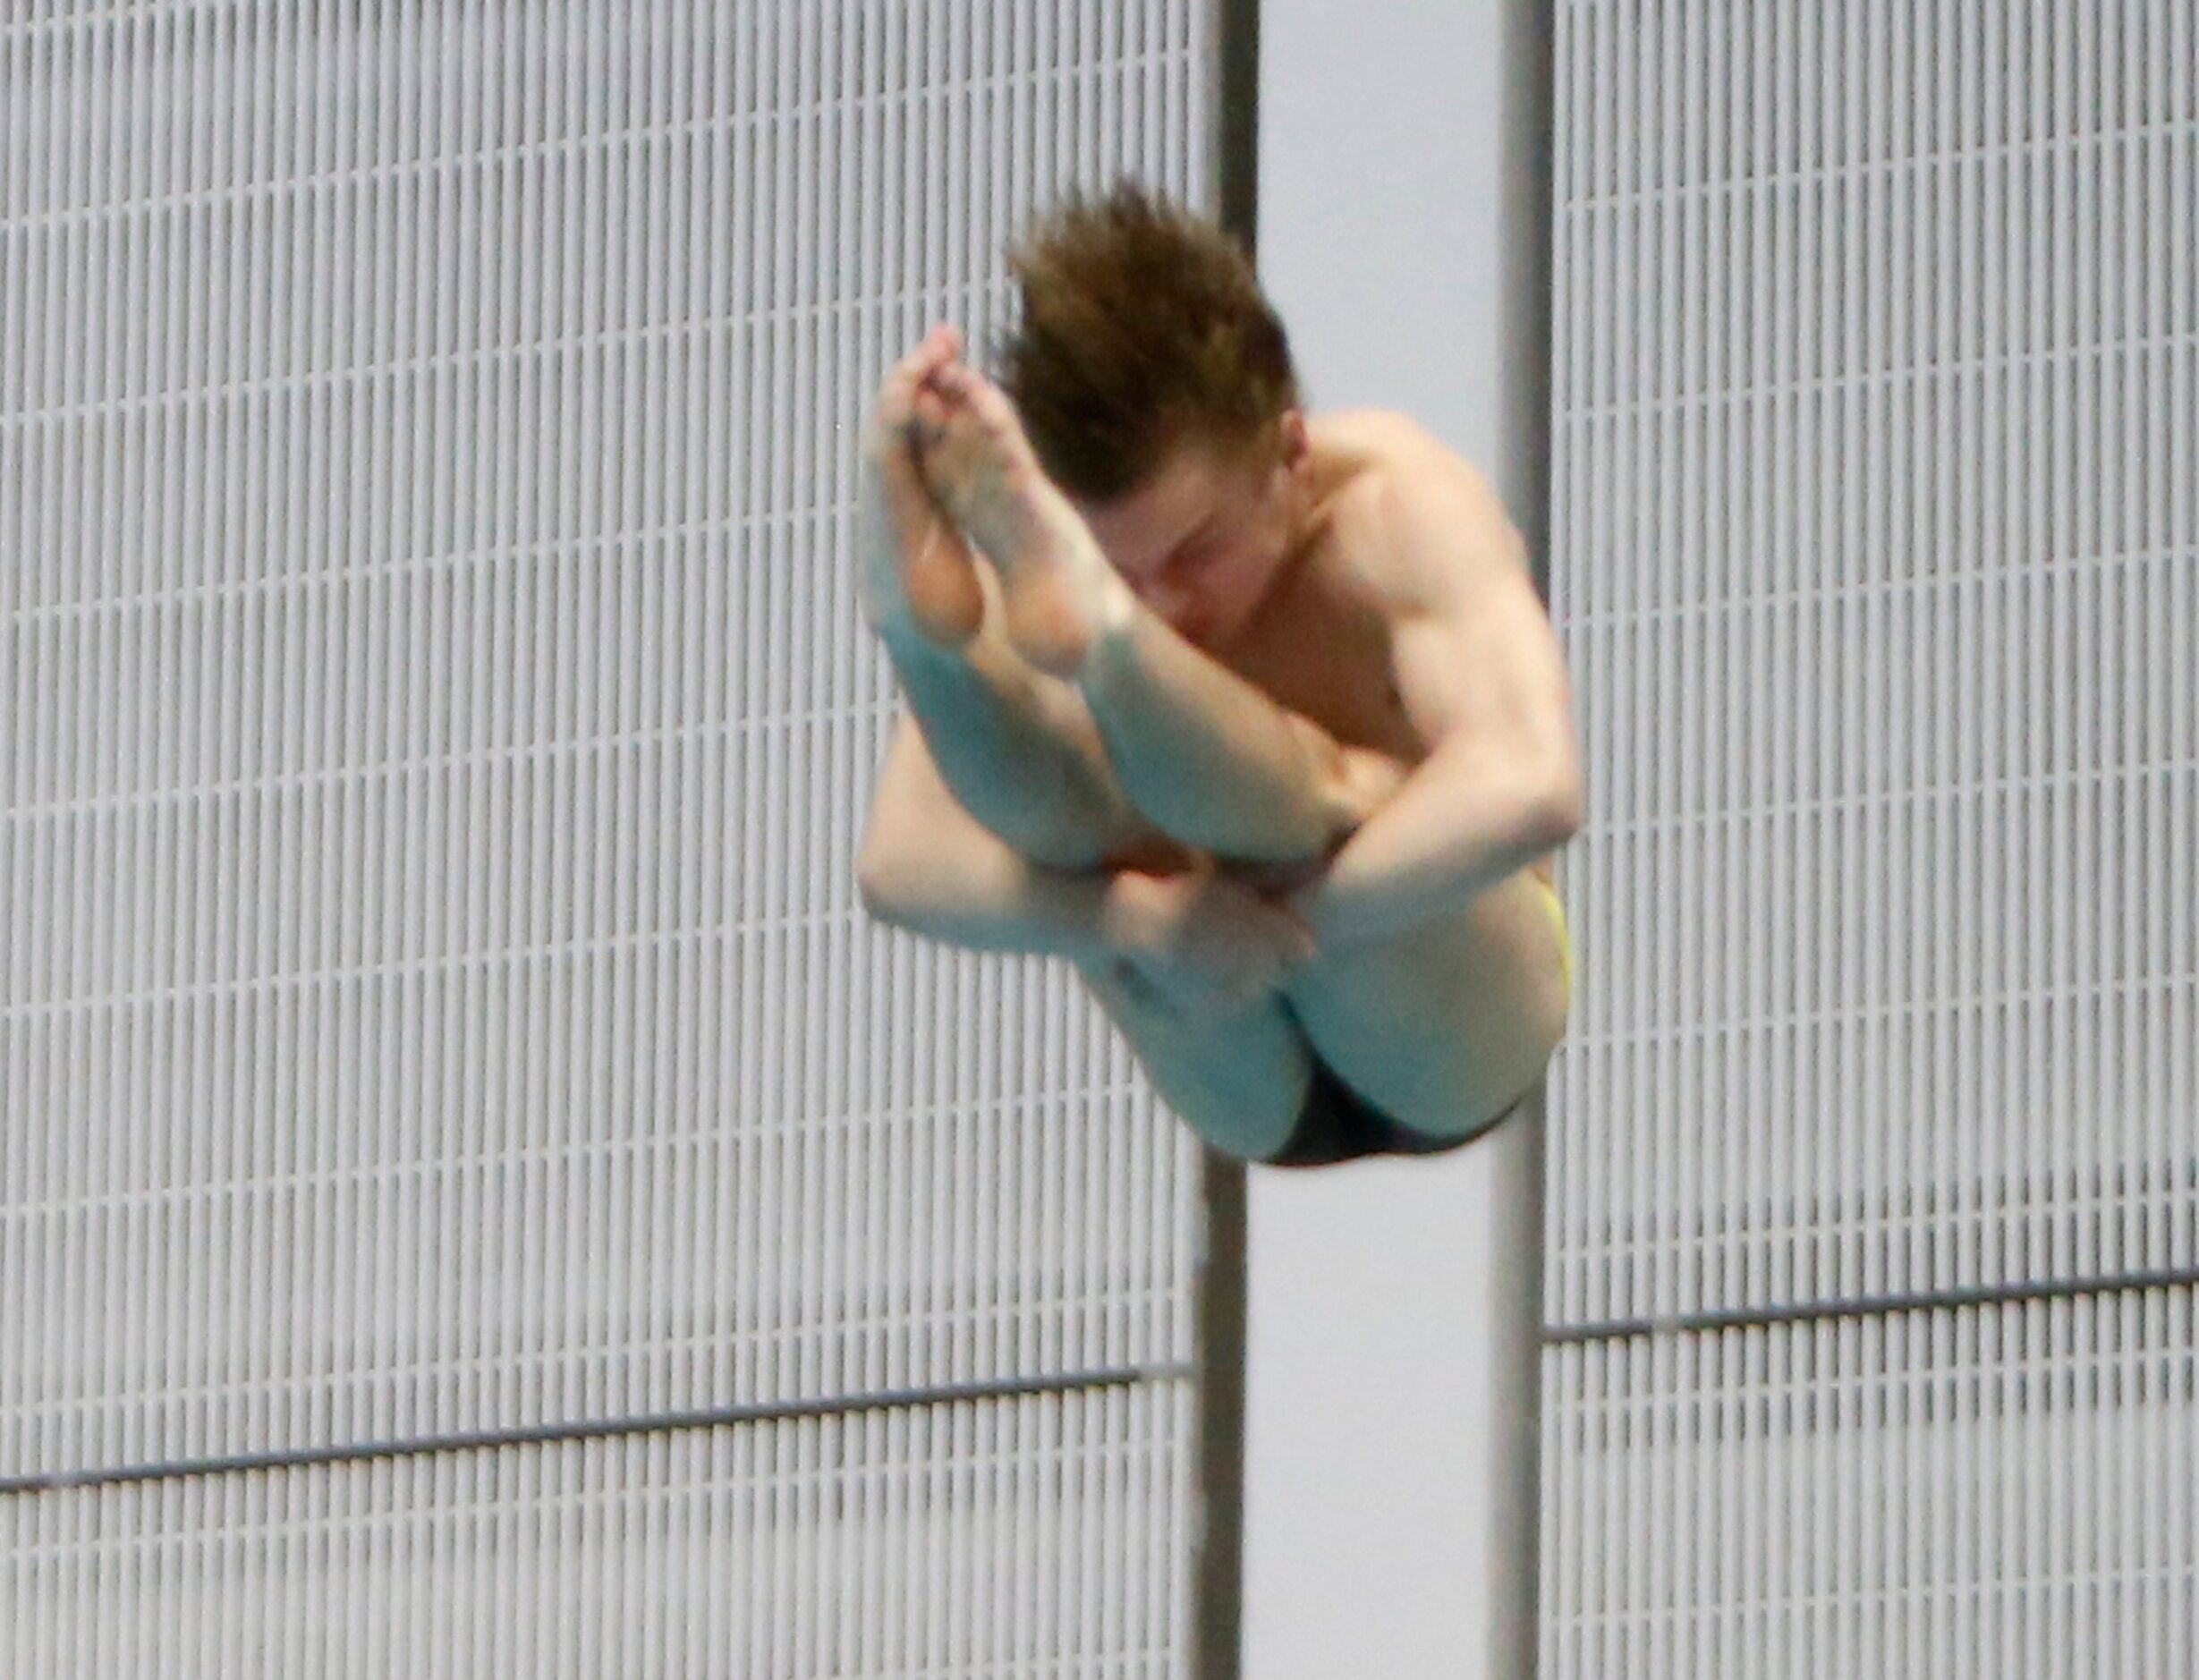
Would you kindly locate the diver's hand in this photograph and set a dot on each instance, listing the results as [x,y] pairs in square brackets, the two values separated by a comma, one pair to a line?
[1200,941]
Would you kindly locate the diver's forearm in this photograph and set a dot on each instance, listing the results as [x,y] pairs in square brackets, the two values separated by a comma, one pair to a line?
[1457,826]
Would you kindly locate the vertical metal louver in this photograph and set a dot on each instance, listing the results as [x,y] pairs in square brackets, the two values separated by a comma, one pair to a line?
[1874,1202]
[434,730]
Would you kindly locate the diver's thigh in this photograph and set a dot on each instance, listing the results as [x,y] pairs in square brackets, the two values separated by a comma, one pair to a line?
[1238,1080]
[1443,1025]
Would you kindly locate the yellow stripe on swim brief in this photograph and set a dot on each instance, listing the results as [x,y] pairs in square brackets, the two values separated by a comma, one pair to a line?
[1565,937]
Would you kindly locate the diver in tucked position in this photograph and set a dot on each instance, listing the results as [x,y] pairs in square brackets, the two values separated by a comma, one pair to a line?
[1255,716]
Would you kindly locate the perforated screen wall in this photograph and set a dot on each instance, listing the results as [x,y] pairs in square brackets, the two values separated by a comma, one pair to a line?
[1878,562]
[435,729]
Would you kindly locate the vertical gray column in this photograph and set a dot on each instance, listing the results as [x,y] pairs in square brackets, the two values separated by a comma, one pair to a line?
[1395,1306]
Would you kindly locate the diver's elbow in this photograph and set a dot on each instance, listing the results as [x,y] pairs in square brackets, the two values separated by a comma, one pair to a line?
[1556,812]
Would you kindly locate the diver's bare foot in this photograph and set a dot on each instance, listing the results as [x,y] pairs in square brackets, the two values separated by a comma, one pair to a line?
[914,569]
[1059,590]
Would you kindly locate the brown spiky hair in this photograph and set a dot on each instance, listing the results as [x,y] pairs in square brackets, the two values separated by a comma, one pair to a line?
[1143,328]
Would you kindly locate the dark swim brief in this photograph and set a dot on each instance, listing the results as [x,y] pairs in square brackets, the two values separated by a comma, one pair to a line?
[1336,1124]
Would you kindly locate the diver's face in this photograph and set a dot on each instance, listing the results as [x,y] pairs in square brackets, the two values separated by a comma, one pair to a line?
[1202,541]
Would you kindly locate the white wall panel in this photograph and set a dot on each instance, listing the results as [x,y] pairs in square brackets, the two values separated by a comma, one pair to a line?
[1033,1536]
[1877,556]
[1964,1494]
[1878,342]
[435,727]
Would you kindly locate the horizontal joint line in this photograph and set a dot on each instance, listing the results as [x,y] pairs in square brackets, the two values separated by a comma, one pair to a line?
[601,1429]
[1864,1307]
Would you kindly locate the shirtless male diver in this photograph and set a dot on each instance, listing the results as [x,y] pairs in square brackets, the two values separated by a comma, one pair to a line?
[1253,715]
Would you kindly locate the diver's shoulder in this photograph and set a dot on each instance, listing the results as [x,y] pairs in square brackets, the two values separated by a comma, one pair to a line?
[1373,456]
[1371,437]
[1372,461]
[1401,501]
[1384,436]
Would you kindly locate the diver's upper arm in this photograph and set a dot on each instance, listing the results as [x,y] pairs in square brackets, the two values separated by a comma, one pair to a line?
[1476,659]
